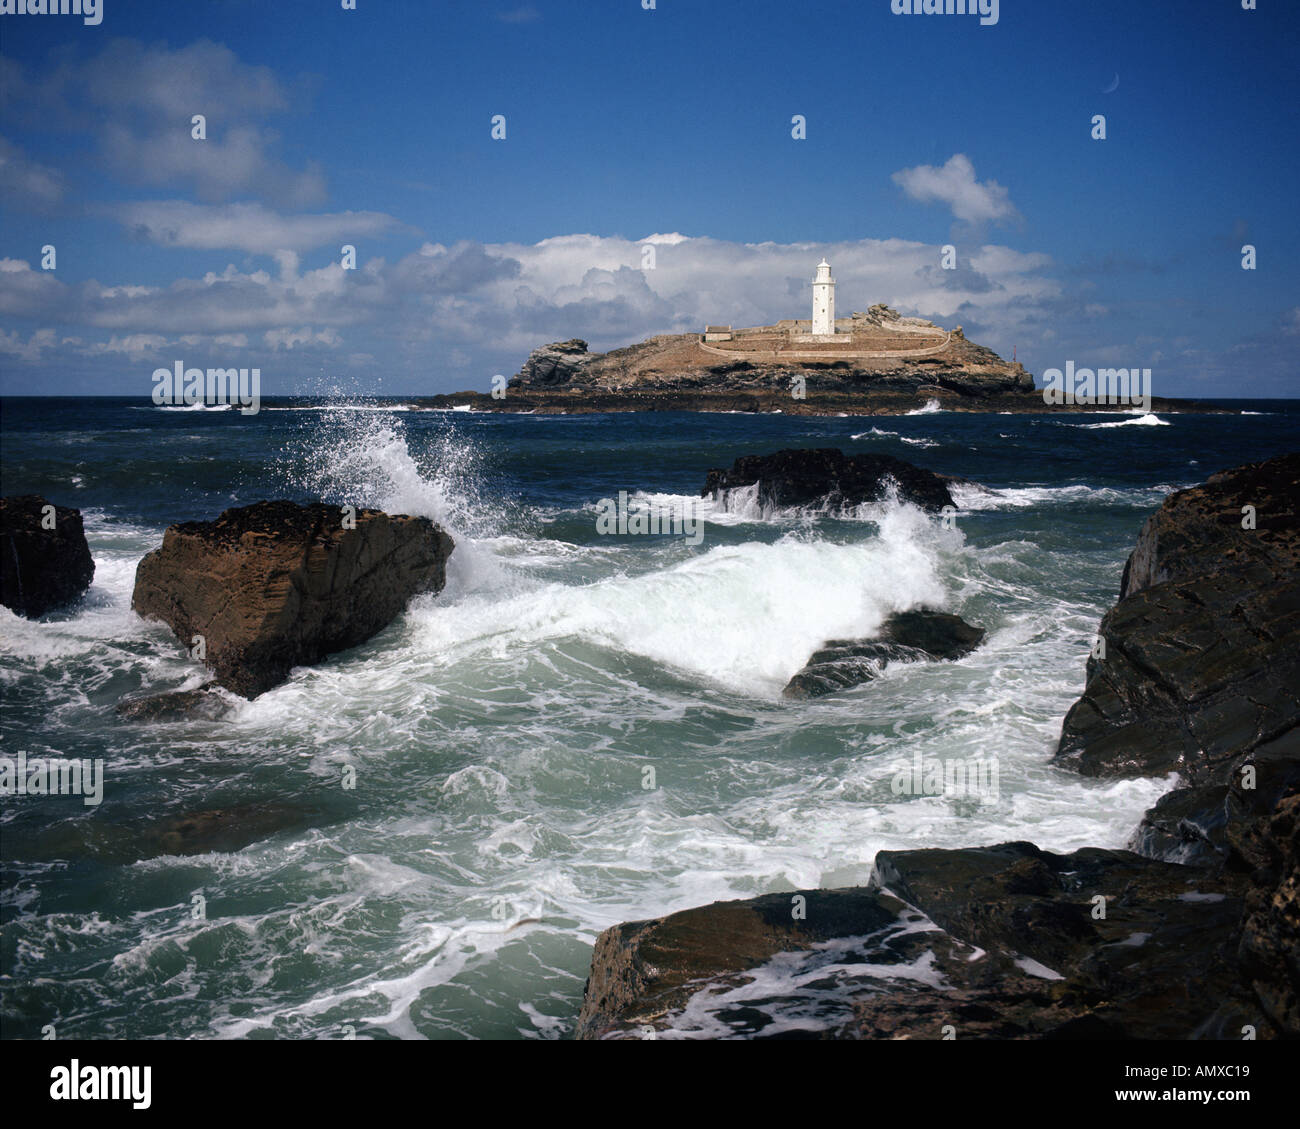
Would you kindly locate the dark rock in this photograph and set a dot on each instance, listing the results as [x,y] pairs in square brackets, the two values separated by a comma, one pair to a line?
[1187,825]
[828,476]
[212,830]
[914,636]
[1157,965]
[1201,675]
[642,971]
[1199,531]
[276,585]
[1202,653]
[1005,938]
[41,568]
[1270,942]
[204,703]
[222,830]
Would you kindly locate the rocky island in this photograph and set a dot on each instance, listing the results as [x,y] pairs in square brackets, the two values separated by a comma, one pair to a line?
[874,362]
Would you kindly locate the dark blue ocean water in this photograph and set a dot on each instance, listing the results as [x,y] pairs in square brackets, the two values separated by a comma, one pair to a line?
[500,732]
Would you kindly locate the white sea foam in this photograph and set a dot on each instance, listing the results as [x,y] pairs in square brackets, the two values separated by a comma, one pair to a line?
[1022,497]
[1146,419]
[698,616]
[500,730]
[199,407]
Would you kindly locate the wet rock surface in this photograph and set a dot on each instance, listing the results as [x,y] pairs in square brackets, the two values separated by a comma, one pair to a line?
[276,585]
[45,562]
[208,831]
[998,942]
[1202,653]
[203,703]
[827,476]
[913,636]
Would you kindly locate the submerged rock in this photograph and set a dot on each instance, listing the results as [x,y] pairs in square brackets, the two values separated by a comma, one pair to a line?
[828,476]
[45,562]
[914,636]
[215,830]
[276,585]
[203,703]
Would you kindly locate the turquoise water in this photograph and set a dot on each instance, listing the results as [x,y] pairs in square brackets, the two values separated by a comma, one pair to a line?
[501,732]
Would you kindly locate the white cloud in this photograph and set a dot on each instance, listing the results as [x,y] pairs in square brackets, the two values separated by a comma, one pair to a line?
[246,227]
[289,338]
[954,184]
[139,101]
[11,344]
[134,346]
[489,304]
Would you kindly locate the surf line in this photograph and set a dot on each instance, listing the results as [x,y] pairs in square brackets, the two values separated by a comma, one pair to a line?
[649,518]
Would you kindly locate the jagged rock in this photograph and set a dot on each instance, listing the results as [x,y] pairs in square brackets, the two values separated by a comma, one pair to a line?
[1270,943]
[1202,675]
[276,585]
[1157,965]
[914,636]
[642,971]
[1199,531]
[828,476]
[203,703]
[40,568]
[1187,825]
[1006,936]
[1202,653]
[554,364]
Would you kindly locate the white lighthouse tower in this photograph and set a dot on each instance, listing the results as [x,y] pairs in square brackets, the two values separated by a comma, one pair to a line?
[823,319]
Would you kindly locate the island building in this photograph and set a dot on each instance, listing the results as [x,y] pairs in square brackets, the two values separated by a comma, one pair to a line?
[879,333]
[823,319]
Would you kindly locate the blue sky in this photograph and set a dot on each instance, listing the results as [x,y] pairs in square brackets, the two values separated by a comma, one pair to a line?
[372,128]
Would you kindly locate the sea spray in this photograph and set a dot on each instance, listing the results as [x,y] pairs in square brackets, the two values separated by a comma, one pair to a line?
[500,734]
[366,459]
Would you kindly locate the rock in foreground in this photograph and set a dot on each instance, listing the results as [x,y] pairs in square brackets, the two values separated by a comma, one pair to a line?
[1202,653]
[45,562]
[276,585]
[914,636]
[829,477]
[997,942]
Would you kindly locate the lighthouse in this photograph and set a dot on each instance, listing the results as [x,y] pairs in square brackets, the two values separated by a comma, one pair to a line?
[823,319]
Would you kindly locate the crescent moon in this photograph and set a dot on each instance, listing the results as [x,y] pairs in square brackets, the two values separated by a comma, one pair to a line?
[1114,86]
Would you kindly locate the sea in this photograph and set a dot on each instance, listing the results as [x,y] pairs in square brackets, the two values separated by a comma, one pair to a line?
[426,834]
